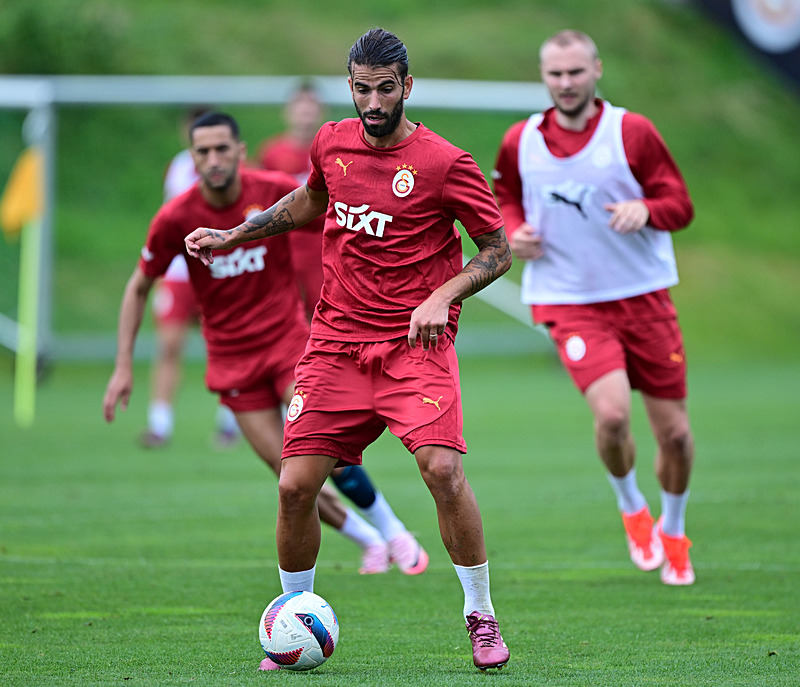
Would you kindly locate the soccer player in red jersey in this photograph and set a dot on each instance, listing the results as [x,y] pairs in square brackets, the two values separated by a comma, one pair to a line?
[382,352]
[590,194]
[174,312]
[253,323]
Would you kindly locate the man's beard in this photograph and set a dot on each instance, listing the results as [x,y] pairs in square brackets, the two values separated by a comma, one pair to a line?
[223,185]
[575,110]
[388,125]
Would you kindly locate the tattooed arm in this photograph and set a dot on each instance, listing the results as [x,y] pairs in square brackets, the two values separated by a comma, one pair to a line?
[293,210]
[493,260]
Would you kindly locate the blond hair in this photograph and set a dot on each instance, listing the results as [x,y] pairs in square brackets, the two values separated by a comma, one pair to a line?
[566,38]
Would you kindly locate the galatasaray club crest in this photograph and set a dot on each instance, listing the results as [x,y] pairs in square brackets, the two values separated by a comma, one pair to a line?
[296,406]
[403,182]
[575,348]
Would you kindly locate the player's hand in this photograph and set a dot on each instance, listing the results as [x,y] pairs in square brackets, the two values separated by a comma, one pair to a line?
[627,216]
[203,240]
[119,391]
[526,243]
[428,322]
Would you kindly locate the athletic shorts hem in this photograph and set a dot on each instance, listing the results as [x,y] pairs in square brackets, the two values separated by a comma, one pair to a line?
[245,403]
[414,446]
[321,447]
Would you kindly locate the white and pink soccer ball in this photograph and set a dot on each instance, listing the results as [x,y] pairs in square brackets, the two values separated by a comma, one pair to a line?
[299,631]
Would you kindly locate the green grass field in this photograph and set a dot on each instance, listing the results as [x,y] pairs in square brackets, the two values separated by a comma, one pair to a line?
[122,566]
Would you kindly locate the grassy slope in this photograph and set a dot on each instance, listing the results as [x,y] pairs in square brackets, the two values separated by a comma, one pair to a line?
[726,120]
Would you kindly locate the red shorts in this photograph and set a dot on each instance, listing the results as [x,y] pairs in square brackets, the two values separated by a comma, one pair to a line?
[256,379]
[348,393]
[174,303]
[639,335]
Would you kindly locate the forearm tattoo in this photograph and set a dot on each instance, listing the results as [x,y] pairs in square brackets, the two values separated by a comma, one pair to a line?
[492,261]
[219,235]
[274,220]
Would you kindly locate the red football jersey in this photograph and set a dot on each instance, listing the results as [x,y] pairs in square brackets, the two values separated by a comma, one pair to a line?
[389,237]
[248,296]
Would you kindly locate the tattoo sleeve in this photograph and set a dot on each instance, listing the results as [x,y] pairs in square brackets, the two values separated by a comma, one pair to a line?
[492,261]
[274,220]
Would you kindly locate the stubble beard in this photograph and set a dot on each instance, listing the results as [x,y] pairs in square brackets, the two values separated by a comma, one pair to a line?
[575,111]
[223,185]
[388,126]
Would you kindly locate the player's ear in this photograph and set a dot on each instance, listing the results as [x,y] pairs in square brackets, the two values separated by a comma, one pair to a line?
[408,82]
[242,151]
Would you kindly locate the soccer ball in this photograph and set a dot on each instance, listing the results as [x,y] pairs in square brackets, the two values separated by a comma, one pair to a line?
[299,630]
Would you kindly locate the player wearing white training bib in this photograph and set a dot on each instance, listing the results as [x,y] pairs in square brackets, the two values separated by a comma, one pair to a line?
[590,193]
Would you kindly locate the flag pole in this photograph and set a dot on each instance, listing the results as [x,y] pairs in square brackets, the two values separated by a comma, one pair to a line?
[25,370]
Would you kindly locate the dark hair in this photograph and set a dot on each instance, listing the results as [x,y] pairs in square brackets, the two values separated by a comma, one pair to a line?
[379,48]
[214,119]
[196,111]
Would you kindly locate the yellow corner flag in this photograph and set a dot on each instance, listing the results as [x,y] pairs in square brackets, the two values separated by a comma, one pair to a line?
[22,198]
[20,213]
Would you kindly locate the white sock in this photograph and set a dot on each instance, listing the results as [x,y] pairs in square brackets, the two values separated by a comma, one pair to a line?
[475,581]
[359,530]
[159,418]
[673,513]
[226,420]
[381,516]
[629,499]
[302,581]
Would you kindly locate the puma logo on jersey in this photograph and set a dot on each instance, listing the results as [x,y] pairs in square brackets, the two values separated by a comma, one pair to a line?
[577,204]
[570,193]
[238,262]
[425,400]
[343,165]
[357,218]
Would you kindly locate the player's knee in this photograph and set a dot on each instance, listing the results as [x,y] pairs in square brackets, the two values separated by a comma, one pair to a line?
[612,423]
[295,492]
[172,353]
[676,442]
[442,471]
